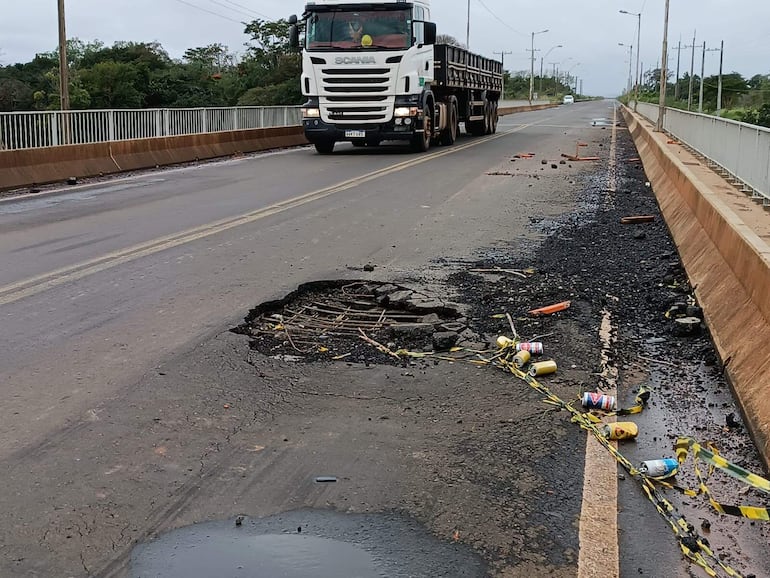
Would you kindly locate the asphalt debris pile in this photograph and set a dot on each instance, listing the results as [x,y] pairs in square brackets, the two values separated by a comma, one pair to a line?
[356,321]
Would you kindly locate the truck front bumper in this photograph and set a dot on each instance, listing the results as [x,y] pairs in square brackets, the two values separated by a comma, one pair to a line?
[316,130]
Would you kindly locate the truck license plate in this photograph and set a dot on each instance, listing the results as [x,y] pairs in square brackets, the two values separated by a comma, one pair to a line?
[355,134]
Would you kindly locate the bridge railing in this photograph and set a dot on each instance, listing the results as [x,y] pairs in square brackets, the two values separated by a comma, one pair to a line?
[25,130]
[740,149]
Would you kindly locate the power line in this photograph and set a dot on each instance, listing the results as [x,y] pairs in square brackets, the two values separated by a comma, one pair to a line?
[500,20]
[191,5]
[249,14]
[249,9]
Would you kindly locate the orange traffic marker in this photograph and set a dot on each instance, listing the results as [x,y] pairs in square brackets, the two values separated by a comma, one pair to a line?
[548,309]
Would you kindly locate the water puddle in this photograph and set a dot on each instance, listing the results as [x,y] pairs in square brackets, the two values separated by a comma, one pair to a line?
[304,544]
[204,552]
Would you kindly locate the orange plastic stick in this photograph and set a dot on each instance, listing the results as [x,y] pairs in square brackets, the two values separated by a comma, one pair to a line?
[548,309]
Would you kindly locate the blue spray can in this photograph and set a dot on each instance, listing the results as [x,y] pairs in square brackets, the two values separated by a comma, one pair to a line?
[659,469]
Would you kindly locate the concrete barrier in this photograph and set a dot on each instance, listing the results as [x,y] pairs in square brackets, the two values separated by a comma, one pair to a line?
[505,110]
[20,168]
[729,267]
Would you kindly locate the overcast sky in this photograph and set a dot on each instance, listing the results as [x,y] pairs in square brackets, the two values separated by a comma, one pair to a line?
[589,30]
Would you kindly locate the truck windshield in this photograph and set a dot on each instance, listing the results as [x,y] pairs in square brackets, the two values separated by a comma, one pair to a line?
[361,30]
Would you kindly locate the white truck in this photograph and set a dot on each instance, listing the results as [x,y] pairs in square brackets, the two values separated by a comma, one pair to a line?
[372,71]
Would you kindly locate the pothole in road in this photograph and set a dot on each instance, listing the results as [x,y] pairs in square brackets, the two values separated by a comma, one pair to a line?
[304,543]
[357,321]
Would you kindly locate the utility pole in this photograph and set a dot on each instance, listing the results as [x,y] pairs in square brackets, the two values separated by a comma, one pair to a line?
[663,74]
[502,61]
[719,90]
[692,71]
[64,82]
[678,54]
[468,28]
[702,76]
[581,86]
[702,72]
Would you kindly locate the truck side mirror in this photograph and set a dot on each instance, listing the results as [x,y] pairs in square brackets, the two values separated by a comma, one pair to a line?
[430,32]
[293,32]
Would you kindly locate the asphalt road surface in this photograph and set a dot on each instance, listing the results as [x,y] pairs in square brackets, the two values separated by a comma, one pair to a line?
[129,409]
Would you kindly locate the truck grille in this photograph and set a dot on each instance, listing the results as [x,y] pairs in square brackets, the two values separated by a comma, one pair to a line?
[355,95]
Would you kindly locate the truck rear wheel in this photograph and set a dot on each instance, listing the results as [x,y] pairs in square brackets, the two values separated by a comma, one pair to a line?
[421,141]
[449,135]
[324,147]
[495,118]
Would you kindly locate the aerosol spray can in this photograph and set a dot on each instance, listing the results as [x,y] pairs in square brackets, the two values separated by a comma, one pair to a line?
[660,469]
[621,430]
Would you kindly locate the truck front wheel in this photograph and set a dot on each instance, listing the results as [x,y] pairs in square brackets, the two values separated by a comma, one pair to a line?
[449,135]
[421,141]
[324,147]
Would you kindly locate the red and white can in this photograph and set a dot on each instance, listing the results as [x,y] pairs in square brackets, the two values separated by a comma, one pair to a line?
[534,347]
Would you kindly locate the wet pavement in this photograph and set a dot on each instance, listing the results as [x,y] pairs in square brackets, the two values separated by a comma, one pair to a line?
[304,544]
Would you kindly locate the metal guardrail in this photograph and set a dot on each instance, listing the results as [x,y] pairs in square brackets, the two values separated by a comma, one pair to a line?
[25,130]
[741,150]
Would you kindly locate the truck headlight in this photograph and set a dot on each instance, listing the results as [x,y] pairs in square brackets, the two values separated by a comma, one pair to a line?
[404,111]
[311,112]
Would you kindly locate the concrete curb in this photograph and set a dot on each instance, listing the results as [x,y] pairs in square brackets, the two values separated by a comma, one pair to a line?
[729,267]
[20,168]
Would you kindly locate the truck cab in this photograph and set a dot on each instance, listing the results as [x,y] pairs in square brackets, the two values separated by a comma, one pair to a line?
[369,75]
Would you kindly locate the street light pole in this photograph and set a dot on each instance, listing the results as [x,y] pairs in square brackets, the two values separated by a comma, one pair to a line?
[663,75]
[532,66]
[64,82]
[638,45]
[542,58]
[502,61]
[630,63]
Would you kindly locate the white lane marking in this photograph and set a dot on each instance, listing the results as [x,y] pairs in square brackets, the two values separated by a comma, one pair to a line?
[34,285]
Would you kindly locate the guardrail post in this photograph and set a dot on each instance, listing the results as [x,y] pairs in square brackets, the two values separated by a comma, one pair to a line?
[285,116]
[204,123]
[166,121]
[158,123]
[111,125]
[261,117]
[235,119]
[54,129]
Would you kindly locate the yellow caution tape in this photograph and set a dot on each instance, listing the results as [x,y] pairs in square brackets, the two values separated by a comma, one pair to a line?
[686,445]
[692,545]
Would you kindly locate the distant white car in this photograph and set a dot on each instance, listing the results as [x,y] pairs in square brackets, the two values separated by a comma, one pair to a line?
[568,99]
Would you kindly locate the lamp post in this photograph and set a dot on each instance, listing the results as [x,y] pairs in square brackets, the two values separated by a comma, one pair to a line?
[630,62]
[663,74]
[532,66]
[569,77]
[542,58]
[638,40]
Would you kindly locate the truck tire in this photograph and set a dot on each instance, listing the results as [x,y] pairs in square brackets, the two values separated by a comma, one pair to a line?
[421,141]
[495,118]
[449,135]
[324,147]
